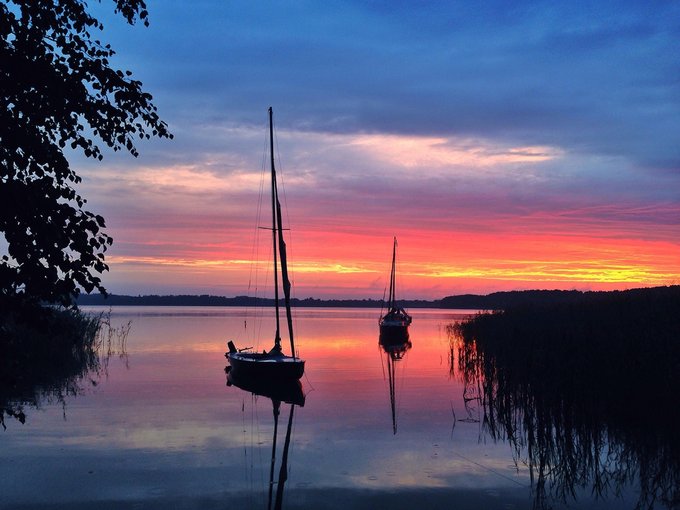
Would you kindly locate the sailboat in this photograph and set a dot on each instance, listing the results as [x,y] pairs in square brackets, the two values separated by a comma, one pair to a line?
[271,366]
[394,324]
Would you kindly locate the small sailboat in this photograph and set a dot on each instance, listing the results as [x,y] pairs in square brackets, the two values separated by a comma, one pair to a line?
[271,366]
[394,324]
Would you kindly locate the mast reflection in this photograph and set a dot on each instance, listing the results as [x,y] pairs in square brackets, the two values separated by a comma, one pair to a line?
[394,351]
[289,392]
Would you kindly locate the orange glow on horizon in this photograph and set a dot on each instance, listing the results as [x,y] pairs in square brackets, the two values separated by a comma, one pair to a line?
[325,265]
[471,216]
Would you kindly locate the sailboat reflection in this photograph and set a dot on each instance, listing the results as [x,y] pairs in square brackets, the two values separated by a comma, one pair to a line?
[289,392]
[394,352]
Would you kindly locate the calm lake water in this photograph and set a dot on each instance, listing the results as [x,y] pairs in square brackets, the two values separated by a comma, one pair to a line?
[161,429]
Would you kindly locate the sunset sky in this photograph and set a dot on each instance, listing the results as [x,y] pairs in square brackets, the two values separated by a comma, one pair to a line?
[508,145]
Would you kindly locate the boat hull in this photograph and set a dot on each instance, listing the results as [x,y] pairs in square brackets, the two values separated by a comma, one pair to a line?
[265,367]
[393,334]
[287,390]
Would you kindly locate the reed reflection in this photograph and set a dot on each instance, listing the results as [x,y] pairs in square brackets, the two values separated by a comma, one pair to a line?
[56,355]
[285,391]
[572,433]
[394,349]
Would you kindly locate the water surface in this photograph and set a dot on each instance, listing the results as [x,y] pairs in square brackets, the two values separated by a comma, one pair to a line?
[161,429]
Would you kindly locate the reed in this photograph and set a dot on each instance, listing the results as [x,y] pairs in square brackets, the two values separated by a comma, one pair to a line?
[586,391]
[49,353]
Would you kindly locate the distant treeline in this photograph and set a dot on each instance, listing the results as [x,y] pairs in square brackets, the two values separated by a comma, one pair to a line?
[503,300]
[207,300]
[495,301]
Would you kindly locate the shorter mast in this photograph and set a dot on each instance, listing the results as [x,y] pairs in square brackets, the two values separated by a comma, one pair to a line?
[393,299]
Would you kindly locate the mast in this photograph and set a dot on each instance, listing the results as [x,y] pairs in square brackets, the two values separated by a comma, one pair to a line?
[393,276]
[277,235]
[277,338]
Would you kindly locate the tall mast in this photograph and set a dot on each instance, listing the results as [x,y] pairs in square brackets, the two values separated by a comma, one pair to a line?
[392,275]
[277,338]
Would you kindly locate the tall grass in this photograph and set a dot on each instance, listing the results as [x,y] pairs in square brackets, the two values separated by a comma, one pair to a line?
[586,391]
[48,353]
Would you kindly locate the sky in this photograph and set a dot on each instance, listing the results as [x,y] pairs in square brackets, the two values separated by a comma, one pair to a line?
[507,145]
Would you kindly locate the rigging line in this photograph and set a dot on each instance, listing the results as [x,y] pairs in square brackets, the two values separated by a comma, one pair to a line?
[254,401]
[255,256]
[256,259]
[309,382]
[280,174]
[263,196]
[261,286]
[382,305]
[258,212]
[262,309]
[252,441]
[248,466]
[382,362]
[402,384]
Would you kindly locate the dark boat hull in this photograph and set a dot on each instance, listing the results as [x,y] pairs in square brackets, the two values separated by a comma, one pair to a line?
[288,391]
[393,334]
[394,326]
[265,367]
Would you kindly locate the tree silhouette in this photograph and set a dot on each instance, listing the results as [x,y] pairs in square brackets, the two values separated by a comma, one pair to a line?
[58,89]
